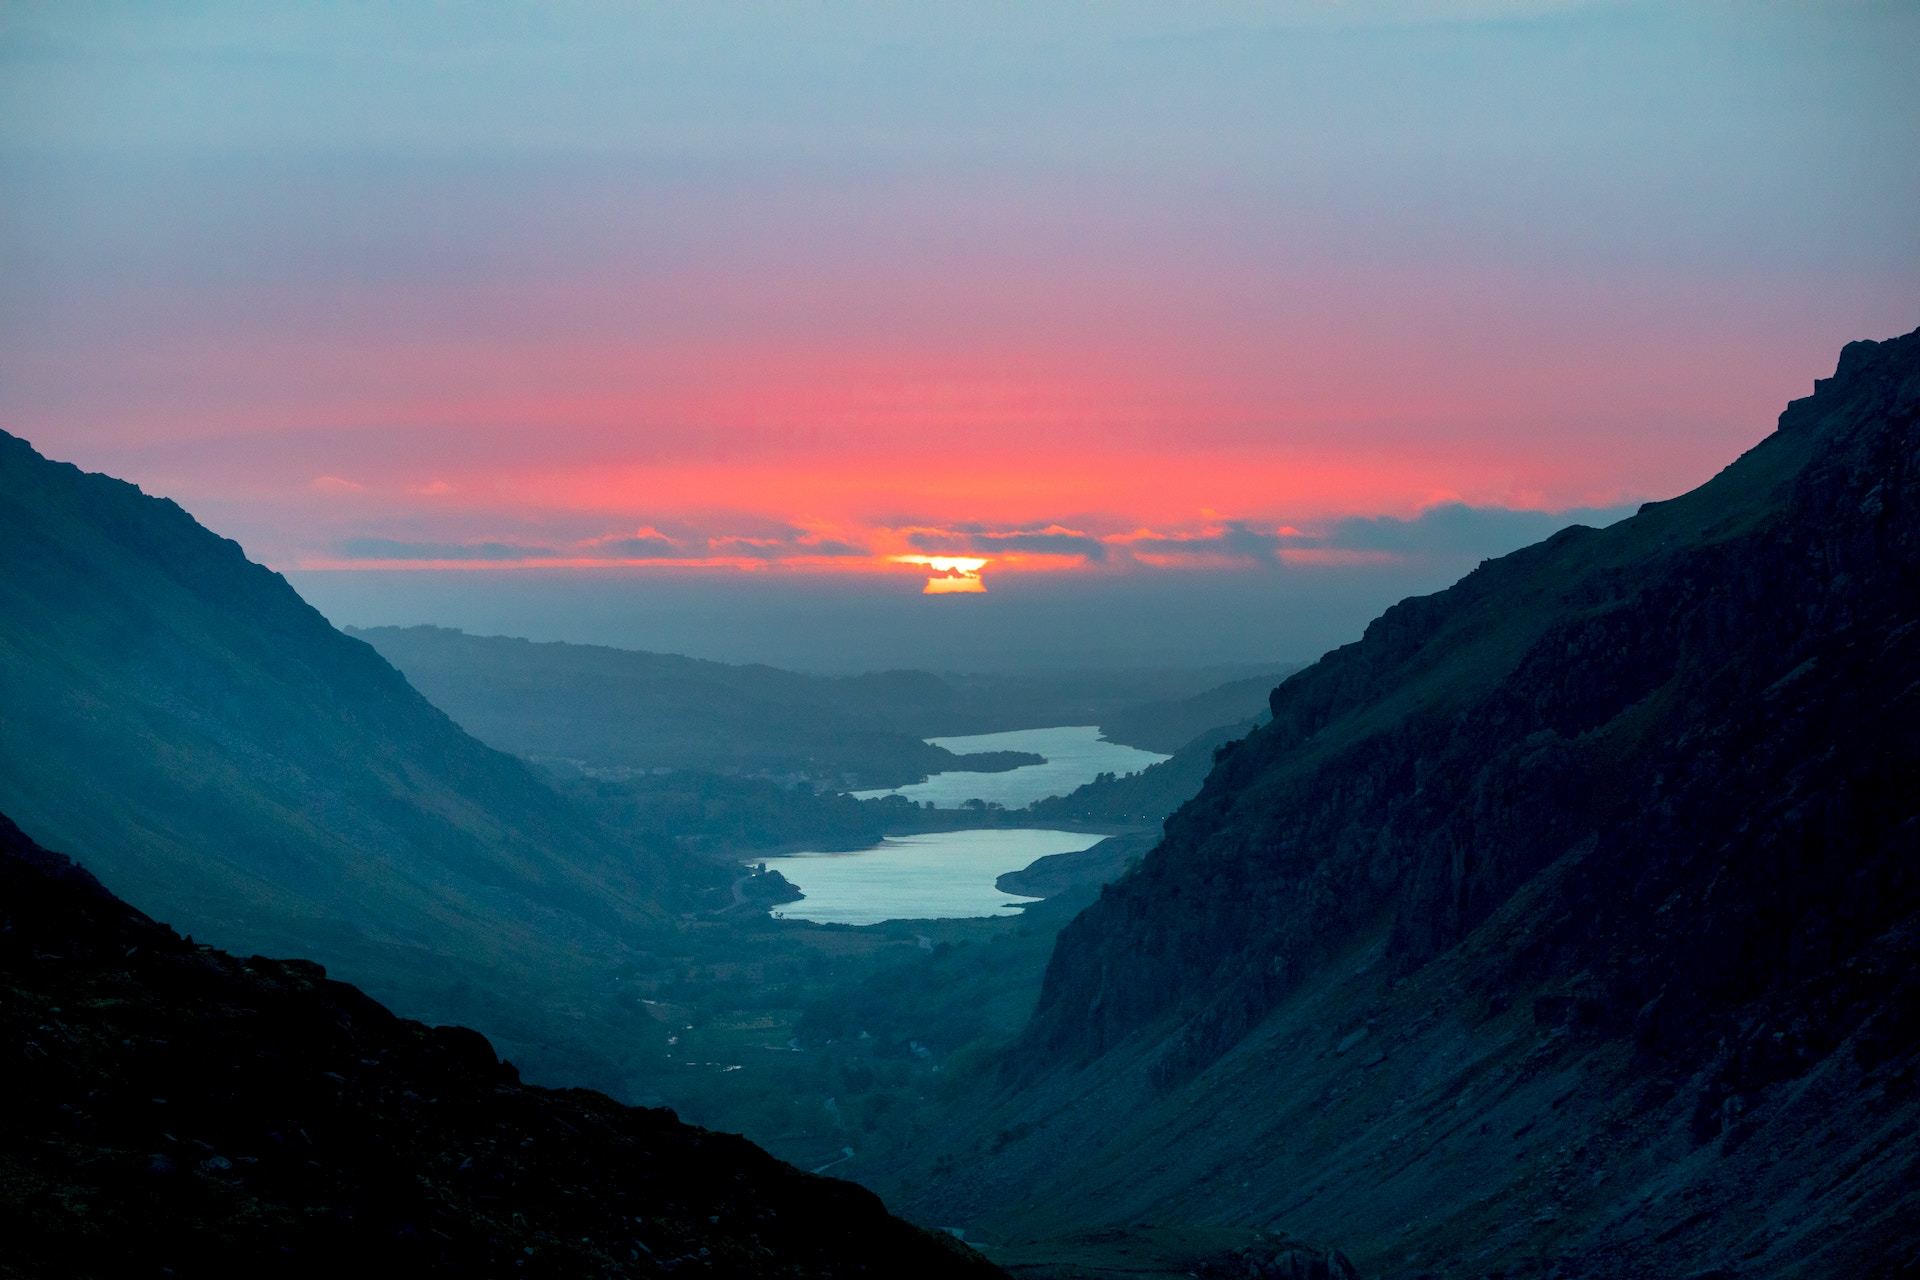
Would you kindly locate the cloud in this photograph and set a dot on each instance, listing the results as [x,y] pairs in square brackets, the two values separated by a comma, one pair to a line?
[650,543]
[394,549]
[643,543]
[1051,540]
[836,547]
[1234,540]
[752,548]
[1439,536]
[1449,530]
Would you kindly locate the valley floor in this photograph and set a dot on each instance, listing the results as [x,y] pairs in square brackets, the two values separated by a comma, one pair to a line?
[811,1039]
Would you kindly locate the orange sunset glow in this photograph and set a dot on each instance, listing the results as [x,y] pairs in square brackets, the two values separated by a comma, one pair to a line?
[1114,325]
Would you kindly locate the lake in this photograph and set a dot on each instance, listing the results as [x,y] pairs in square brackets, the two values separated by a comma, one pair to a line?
[939,875]
[1075,754]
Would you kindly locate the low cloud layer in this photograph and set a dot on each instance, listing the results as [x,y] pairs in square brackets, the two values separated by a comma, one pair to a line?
[1046,540]
[1235,540]
[396,549]
[1445,533]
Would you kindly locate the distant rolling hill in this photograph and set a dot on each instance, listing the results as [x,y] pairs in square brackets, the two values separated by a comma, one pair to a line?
[1190,730]
[1568,923]
[1149,795]
[175,1110]
[629,710]
[176,716]
[1166,725]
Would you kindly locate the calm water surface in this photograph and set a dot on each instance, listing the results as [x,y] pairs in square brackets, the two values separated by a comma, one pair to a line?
[1075,755]
[941,875]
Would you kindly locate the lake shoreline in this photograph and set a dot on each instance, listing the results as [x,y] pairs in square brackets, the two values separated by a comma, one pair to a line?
[963,858]
[1071,756]
[950,875]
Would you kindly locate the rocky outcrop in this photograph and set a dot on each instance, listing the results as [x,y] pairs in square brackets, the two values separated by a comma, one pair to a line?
[174,1110]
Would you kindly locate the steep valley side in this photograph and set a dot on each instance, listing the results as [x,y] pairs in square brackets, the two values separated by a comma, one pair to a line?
[1564,924]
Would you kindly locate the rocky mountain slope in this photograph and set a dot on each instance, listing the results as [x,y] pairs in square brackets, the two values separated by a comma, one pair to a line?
[177,717]
[175,1110]
[1567,923]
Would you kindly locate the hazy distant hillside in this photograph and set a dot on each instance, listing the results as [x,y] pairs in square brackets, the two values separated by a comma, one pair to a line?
[1149,795]
[1190,728]
[622,708]
[1567,923]
[175,1110]
[626,709]
[1166,725]
[179,718]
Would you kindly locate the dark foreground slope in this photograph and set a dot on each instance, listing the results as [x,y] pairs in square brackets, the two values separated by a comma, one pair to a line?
[178,718]
[1568,920]
[174,1110]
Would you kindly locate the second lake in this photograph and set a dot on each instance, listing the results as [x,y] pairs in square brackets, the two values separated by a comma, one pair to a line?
[1075,754]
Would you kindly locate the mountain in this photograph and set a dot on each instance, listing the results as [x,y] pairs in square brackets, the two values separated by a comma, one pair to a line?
[1168,724]
[1149,795]
[175,1110]
[1568,923]
[1190,729]
[621,711]
[624,709]
[178,718]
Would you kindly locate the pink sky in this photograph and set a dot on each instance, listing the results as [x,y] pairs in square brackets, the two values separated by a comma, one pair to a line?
[1208,284]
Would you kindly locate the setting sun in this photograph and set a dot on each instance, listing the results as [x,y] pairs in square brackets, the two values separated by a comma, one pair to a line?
[951,575]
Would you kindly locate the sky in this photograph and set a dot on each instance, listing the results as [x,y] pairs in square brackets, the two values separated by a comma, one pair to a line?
[871,334]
